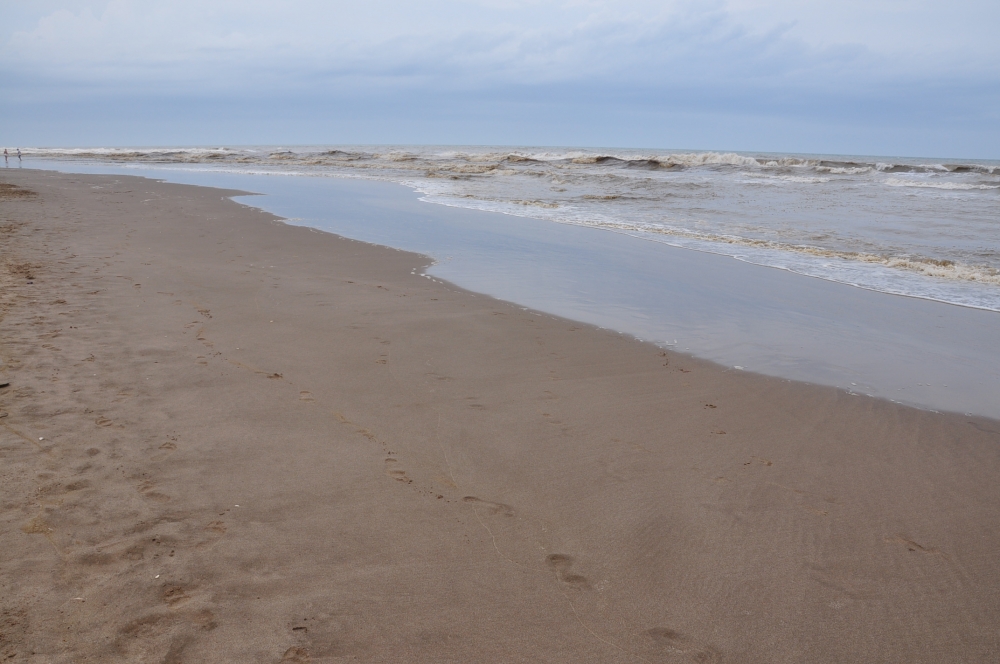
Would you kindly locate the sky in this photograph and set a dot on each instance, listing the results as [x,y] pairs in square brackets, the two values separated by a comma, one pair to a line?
[875,77]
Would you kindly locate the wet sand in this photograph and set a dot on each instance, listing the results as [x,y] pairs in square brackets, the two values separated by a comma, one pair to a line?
[229,439]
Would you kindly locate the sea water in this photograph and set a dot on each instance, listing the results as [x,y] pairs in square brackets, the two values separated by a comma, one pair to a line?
[927,228]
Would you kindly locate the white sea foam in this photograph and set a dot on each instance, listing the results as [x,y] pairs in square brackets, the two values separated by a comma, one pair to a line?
[955,186]
[847,170]
[801,179]
[977,286]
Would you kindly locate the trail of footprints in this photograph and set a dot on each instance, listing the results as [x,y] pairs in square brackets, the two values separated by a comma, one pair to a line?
[78,467]
[662,640]
[153,537]
[665,644]
[559,563]
[141,549]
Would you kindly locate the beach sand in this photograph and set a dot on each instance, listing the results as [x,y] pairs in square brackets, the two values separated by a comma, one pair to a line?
[232,440]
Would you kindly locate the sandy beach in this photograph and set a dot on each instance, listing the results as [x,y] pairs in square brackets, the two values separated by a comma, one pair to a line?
[228,439]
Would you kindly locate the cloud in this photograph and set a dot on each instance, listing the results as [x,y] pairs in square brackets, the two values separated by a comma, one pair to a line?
[187,41]
[850,61]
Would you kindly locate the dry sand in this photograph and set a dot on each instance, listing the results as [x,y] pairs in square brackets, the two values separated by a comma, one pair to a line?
[232,440]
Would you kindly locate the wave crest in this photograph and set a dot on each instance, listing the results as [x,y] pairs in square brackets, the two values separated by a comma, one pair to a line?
[577,158]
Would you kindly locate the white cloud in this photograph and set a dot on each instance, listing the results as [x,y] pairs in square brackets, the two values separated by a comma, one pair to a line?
[924,64]
[516,41]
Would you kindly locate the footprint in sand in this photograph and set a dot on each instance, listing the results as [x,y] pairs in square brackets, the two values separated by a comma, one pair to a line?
[145,629]
[37,526]
[216,527]
[394,472]
[306,396]
[561,563]
[490,507]
[174,596]
[296,655]
[146,489]
[665,639]
[133,553]
[164,450]
[103,422]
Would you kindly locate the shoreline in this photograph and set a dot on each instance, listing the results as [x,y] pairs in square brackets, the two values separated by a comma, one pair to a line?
[921,353]
[504,180]
[259,442]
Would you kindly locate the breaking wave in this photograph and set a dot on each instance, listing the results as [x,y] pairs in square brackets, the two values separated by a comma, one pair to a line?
[624,159]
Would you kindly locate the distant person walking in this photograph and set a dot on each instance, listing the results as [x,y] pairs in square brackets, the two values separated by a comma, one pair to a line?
[5,155]
[19,154]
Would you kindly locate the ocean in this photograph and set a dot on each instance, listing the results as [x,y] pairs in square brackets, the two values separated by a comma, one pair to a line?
[927,228]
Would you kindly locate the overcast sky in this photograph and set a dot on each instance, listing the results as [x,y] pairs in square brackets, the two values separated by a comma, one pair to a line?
[894,77]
